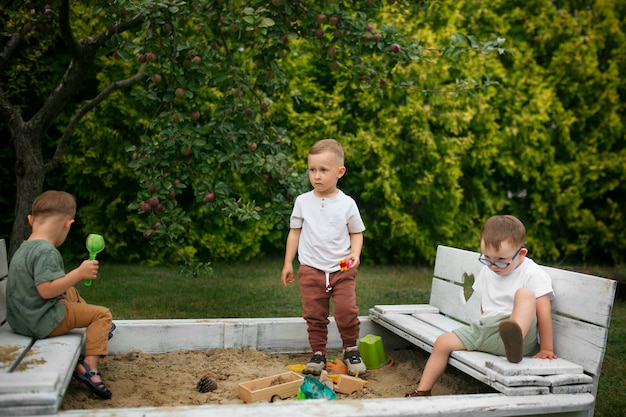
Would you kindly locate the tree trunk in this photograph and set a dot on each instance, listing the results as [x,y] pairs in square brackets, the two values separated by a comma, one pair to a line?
[29,176]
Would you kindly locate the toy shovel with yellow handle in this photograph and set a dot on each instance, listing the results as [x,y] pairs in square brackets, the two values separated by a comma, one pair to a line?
[95,244]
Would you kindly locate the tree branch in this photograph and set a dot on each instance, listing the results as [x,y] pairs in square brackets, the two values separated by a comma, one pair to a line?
[66,28]
[83,54]
[12,44]
[90,105]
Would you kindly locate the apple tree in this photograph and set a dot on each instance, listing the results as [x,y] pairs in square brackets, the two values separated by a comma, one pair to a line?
[204,77]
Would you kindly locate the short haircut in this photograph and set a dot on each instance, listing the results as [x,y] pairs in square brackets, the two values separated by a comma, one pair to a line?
[52,202]
[328,145]
[503,228]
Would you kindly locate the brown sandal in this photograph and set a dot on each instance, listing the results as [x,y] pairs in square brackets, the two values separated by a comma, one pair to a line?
[416,393]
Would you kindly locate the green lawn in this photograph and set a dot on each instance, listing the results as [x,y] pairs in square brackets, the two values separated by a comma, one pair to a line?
[253,289]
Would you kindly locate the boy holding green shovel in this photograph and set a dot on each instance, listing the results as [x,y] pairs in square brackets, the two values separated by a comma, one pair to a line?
[41,298]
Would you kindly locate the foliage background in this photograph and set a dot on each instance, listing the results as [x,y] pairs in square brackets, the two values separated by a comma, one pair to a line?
[426,166]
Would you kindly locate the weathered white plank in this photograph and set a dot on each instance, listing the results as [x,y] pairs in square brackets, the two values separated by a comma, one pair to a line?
[532,366]
[16,382]
[13,346]
[281,334]
[455,264]
[573,389]
[440,321]
[568,379]
[585,297]
[515,391]
[518,380]
[427,346]
[55,355]
[417,328]
[579,342]
[29,404]
[484,405]
[406,309]
[449,298]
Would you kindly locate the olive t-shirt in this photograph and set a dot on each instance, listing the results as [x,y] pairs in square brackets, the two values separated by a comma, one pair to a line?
[35,262]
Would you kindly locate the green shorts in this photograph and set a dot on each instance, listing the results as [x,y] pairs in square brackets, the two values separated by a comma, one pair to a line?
[485,337]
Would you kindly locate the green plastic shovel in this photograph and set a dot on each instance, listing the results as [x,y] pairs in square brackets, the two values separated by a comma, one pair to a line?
[95,244]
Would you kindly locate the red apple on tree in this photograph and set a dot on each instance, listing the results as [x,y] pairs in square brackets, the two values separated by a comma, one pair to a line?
[179,92]
[252,146]
[209,197]
[395,48]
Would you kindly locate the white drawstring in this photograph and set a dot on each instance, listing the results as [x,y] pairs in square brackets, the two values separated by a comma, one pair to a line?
[328,287]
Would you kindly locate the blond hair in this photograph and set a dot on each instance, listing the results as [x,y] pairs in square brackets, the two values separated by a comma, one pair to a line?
[50,203]
[503,228]
[328,145]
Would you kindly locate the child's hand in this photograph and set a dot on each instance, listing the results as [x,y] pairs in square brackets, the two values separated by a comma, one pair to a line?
[286,276]
[353,260]
[545,354]
[89,269]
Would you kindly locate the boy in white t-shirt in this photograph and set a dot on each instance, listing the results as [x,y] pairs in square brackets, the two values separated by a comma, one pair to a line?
[515,299]
[326,232]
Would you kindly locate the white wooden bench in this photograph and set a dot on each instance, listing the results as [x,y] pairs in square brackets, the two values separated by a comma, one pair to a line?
[581,315]
[34,373]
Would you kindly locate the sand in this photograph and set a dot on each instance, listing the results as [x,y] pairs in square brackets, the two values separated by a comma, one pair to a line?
[138,379]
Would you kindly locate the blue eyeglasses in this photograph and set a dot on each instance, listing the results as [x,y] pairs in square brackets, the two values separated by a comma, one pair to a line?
[499,263]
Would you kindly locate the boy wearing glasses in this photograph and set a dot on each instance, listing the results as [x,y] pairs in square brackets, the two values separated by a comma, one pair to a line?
[515,296]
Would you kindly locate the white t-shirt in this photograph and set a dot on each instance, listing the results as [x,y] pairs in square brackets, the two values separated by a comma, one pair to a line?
[326,225]
[497,292]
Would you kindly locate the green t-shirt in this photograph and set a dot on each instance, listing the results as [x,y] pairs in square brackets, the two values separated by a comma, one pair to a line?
[35,262]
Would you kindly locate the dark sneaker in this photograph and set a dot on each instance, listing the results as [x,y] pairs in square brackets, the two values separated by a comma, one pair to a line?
[352,359]
[316,365]
[511,335]
[113,327]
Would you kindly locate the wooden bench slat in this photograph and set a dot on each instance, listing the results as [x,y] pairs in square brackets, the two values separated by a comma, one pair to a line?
[573,389]
[582,296]
[439,321]
[531,366]
[29,404]
[12,346]
[16,382]
[454,264]
[406,309]
[518,380]
[579,342]
[449,298]
[568,379]
[413,326]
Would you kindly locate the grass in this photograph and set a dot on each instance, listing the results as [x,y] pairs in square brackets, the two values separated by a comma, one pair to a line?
[253,289]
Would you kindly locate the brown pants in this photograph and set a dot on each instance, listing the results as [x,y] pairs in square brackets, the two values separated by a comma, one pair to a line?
[316,306]
[79,314]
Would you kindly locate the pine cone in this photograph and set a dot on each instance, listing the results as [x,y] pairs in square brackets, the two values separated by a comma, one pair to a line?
[206,384]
